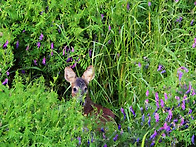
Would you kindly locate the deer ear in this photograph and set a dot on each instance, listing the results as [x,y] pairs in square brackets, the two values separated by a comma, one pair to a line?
[89,74]
[70,75]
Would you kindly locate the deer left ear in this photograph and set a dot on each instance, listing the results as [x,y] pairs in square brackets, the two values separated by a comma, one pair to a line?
[89,74]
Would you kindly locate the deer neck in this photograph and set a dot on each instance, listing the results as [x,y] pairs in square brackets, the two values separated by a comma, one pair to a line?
[88,105]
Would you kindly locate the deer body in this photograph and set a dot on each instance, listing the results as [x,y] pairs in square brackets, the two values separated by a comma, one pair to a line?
[80,90]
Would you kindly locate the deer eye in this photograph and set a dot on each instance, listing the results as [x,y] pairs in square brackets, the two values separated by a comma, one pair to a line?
[74,89]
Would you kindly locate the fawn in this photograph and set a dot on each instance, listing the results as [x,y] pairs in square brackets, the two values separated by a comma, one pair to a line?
[79,87]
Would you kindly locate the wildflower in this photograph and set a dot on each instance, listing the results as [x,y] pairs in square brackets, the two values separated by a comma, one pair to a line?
[119,127]
[180,74]
[193,92]
[153,135]
[88,142]
[109,42]
[7,73]
[163,71]
[177,97]
[157,100]
[143,117]
[90,53]
[176,1]
[166,127]
[5,44]
[105,145]
[169,115]
[72,49]
[41,36]
[195,3]
[183,105]
[147,93]
[141,109]
[192,22]
[79,140]
[17,44]
[27,48]
[182,121]
[157,117]
[52,45]
[162,103]
[123,112]
[128,7]
[138,139]
[149,120]
[44,60]
[102,16]
[35,62]
[139,64]
[149,4]
[152,144]
[190,87]
[194,45]
[159,67]
[69,59]
[103,135]
[5,82]
[102,130]
[131,109]
[63,52]
[23,71]
[23,31]
[38,44]
[192,138]
[116,137]
[109,27]
[74,65]
[52,53]
[184,68]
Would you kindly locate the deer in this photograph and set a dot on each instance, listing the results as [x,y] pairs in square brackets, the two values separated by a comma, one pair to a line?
[79,86]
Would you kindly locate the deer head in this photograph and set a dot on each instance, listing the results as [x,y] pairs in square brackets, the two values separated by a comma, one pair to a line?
[79,85]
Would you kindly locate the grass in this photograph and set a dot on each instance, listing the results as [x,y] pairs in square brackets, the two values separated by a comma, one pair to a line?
[135,47]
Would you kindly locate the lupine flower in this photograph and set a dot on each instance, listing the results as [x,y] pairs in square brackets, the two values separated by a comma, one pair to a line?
[7,73]
[177,97]
[131,109]
[190,87]
[183,105]
[162,103]
[193,92]
[192,22]
[35,62]
[153,135]
[157,100]
[143,118]
[69,59]
[149,4]
[52,45]
[102,16]
[192,138]
[72,49]
[88,142]
[157,117]
[104,136]
[17,44]
[5,82]
[41,36]
[27,48]
[5,44]
[105,145]
[109,27]
[180,74]
[184,68]
[149,120]
[163,71]
[52,53]
[44,60]
[142,110]
[147,93]
[138,139]
[79,140]
[128,7]
[169,115]
[182,121]
[116,137]
[166,127]
[38,44]
[123,112]
[152,144]
[90,53]
[139,64]
[165,95]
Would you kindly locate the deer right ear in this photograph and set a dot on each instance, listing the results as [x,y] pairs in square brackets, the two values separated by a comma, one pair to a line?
[70,75]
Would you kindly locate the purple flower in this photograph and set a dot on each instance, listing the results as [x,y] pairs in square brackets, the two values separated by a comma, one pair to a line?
[149,4]
[5,82]
[194,45]
[105,145]
[90,53]
[147,93]
[131,109]
[23,71]
[17,44]
[119,127]
[183,105]
[23,31]
[72,49]
[102,16]
[153,135]
[149,120]
[192,138]
[52,53]
[159,67]
[102,130]
[5,44]
[128,7]
[177,97]
[52,45]
[139,64]
[35,62]
[74,65]
[180,74]
[163,71]
[116,137]
[165,95]
[123,112]
[152,144]
[166,127]
[182,121]
[109,42]
[44,60]
[176,1]
[190,111]
[79,140]
[41,36]
[38,44]
[192,22]
[169,115]
[157,100]
[184,68]
[63,52]
[143,117]
[7,73]
[69,59]
[195,3]
[109,27]
[157,117]
[162,103]
[27,48]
